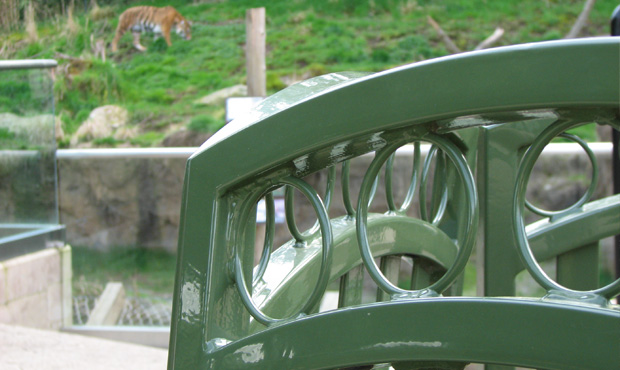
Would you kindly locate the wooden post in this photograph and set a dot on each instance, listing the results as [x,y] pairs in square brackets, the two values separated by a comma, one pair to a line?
[108,309]
[255,51]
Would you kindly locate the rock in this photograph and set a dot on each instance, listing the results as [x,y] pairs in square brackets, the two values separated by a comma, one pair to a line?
[101,123]
[126,133]
[220,96]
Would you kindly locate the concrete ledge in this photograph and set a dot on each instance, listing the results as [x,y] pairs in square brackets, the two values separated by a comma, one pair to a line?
[35,289]
[145,335]
[32,273]
[26,348]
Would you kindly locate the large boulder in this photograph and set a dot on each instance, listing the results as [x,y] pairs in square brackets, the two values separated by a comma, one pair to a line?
[102,122]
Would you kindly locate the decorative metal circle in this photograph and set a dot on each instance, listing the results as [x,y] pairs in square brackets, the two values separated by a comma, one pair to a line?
[346,193]
[389,169]
[441,209]
[523,175]
[466,238]
[289,206]
[270,228]
[593,182]
[326,257]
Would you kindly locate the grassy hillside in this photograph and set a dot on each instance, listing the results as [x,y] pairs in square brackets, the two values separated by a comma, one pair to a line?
[304,38]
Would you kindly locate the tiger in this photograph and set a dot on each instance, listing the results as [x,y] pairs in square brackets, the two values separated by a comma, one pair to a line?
[151,19]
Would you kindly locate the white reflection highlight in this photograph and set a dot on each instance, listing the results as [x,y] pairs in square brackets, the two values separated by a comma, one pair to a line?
[435,344]
[251,353]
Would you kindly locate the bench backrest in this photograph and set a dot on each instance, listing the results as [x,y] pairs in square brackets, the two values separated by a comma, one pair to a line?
[488,113]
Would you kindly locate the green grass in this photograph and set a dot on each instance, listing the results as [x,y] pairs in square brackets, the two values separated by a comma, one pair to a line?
[143,272]
[304,38]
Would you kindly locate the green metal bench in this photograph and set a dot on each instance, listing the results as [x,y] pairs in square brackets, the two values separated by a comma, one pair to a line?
[488,113]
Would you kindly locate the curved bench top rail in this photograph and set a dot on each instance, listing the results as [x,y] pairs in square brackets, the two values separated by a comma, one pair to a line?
[569,73]
[514,332]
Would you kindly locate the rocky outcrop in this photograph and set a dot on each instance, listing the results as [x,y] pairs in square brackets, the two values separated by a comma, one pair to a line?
[103,122]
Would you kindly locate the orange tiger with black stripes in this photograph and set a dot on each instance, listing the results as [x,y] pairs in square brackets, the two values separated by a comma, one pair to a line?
[160,21]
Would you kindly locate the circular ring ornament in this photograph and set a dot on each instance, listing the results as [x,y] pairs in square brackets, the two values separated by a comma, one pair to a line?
[389,169]
[270,228]
[466,238]
[523,175]
[425,214]
[589,192]
[289,206]
[346,192]
[326,257]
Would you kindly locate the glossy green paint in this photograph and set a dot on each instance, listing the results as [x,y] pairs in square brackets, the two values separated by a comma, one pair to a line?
[325,256]
[487,330]
[551,238]
[469,222]
[523,173]
[327,120]
[293,271]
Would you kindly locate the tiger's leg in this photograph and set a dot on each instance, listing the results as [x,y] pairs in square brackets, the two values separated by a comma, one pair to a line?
[117,37]
[136,41]
[165,30]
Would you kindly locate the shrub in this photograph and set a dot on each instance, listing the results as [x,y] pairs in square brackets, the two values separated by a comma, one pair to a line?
[148,139]
[204,123]
[107,141]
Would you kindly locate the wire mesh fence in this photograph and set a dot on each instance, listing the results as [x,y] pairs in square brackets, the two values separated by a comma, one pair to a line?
[137,311]
[146,312]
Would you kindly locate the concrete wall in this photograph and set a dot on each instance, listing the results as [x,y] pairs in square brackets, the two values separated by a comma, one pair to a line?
[121,202]
[35,289]
[136,202]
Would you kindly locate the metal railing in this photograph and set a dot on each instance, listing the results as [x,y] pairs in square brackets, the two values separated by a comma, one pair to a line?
[600,149]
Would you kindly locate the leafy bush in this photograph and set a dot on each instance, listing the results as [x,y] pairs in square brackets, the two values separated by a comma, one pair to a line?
[158,96]
[204,123]
[88,84]
[72,123]
[107,141]
[148,139]
[15,96]
[274,83]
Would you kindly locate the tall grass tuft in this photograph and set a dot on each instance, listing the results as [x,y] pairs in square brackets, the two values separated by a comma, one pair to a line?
[98,13]
[71,27]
